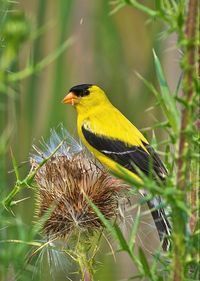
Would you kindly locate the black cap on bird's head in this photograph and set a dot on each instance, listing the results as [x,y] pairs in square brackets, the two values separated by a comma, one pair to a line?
[80,94]
[77,92]
[81,90]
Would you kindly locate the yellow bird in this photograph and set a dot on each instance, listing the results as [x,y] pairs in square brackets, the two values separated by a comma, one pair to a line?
[117,143]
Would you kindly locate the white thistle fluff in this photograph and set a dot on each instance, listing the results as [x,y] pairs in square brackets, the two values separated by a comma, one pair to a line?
[69,148]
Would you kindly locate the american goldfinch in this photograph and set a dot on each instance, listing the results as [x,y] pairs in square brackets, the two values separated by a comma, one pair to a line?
[117,143]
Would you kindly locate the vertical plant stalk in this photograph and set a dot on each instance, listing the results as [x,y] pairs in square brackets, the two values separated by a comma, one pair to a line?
[84,262]
[190,32]
[183,150]
[193,198]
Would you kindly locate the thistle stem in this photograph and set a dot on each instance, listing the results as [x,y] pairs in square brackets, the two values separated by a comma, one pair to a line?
[84,262]
[188,88]
[187,42]
[7,202]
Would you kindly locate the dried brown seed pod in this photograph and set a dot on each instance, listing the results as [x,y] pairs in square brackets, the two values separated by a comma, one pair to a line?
[65,183]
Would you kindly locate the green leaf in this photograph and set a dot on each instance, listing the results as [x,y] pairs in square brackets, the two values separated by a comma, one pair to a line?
[134,230]
[166,98]
[117,8]
[117,234]
[122,241]
[144,263]
[142,8]
[114,230]
[149,86]
[14,162]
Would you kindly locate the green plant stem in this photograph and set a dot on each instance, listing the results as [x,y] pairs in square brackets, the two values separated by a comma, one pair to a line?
[193,197]
[179,246]
[26,182]
[85,264]
[188,66]
[142,8]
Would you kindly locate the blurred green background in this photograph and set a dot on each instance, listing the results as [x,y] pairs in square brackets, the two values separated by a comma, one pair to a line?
[105,49]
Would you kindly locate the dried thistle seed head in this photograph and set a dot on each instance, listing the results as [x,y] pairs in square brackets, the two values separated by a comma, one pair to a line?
[69,148]
[65,185]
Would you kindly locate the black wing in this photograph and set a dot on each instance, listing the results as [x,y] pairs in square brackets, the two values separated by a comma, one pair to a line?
[149,163]
[126,155]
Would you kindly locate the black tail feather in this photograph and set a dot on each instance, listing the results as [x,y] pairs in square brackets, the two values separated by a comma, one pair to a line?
[161,221]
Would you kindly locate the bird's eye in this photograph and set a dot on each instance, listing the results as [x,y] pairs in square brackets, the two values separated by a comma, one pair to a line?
[85,93]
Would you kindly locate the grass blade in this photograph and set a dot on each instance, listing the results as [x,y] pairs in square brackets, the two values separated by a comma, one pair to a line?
[144,263]
[142,8]
[134,230]
[167,100]
[113,229]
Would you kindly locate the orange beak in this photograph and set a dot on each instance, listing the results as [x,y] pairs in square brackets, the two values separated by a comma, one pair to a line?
[71,98]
